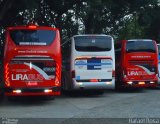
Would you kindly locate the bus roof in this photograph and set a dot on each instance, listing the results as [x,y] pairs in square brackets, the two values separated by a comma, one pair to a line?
[124,40]
[139,40]
[91,35]
[31,27]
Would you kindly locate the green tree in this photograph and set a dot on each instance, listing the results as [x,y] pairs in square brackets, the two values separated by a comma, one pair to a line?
[85,16]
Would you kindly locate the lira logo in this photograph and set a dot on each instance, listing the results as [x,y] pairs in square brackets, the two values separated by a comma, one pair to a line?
[136,73]
[27,77]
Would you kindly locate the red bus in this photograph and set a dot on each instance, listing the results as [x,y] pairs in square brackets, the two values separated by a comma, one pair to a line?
[136,63]
[32,61]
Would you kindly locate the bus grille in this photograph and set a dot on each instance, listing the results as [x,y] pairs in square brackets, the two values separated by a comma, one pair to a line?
[140,62]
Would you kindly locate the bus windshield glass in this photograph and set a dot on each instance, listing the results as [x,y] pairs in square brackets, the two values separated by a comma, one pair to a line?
[32,37]
[140,46]
[93,43]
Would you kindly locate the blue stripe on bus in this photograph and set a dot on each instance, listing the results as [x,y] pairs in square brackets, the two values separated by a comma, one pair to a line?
[93,64]
[92,68]
[77,77]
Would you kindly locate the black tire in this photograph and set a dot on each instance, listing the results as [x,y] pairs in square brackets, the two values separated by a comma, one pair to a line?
[63,83]
[1,96]
[117,86]
[66,84]
[49,98]
[99,92]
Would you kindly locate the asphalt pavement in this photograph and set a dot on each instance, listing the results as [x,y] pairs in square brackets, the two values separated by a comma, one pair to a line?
[110,107]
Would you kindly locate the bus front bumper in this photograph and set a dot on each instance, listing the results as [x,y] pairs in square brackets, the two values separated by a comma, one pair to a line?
[93,85]
[43,91]
[140,84]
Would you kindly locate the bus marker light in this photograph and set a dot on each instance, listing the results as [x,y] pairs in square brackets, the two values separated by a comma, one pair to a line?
[93,80]
[32,26]
[141,83]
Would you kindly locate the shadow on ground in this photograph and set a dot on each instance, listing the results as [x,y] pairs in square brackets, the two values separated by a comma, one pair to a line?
[99,93]
[16,101]
[86,93]
[154,88]
[131,90]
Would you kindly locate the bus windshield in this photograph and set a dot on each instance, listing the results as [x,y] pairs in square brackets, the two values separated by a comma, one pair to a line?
[32,37]
[140,46]
[93,43]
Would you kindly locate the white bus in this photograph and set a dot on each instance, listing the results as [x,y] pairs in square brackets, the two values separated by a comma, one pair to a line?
[92,63]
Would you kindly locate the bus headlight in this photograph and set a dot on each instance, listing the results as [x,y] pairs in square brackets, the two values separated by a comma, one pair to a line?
[80,83]
[152,82]
[129,82]
[17,91]
[108,83]
[47,90]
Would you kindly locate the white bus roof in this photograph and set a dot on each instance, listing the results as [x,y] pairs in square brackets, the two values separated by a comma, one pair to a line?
[92,35]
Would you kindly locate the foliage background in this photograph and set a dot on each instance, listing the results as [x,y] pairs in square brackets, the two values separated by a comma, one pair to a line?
[123,19]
